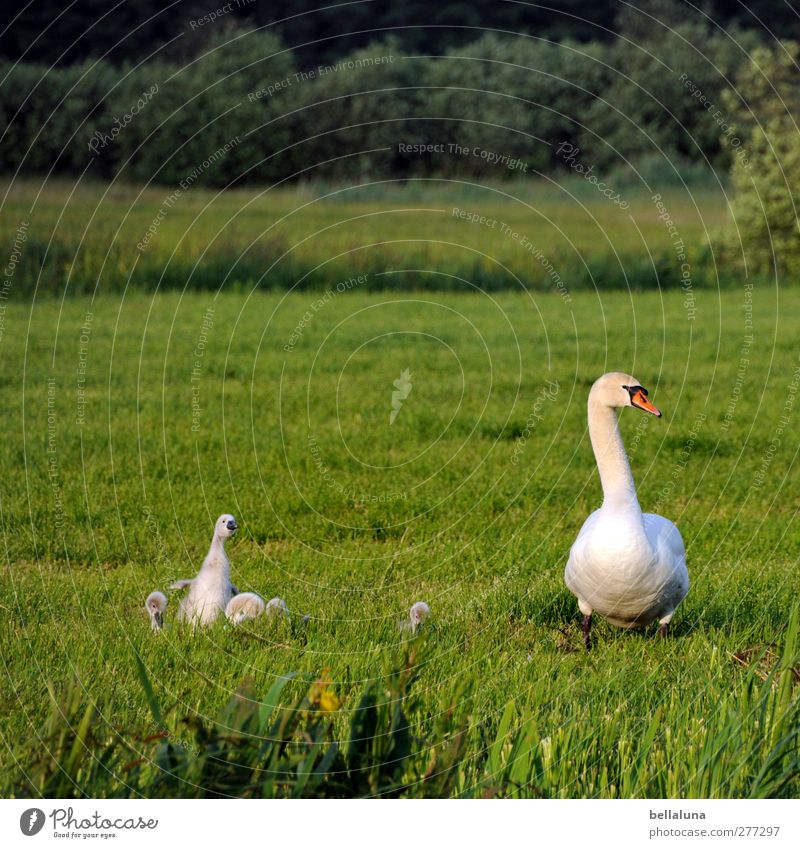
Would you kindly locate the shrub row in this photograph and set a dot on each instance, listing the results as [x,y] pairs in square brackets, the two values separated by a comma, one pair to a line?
[243,110]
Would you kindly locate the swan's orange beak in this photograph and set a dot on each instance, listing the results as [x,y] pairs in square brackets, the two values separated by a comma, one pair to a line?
[639,398]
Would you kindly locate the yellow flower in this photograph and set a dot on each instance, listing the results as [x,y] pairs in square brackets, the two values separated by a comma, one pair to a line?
[322,695]
[328,702]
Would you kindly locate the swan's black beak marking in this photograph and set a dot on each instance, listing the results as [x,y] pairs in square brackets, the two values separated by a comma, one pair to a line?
[232,526]
[639,399]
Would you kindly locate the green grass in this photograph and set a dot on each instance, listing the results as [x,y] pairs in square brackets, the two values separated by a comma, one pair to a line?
[447,505]
[85,237]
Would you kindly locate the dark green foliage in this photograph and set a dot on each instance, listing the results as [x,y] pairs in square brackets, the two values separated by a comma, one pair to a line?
[261,113]
[651,106]
[764,236]
[321,32]
[48,115]
[532,95]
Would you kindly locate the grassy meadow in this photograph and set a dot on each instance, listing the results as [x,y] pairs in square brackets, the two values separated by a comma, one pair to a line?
[92,237]
[136,417]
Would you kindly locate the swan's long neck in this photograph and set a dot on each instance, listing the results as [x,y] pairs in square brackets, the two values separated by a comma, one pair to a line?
[619,492]
[216,553]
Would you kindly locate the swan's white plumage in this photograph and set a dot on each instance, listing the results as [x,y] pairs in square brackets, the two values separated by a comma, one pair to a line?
[627,566]
[417,615]
[155,605]
[185,584]
[211,590]
[243,607]
[277,607]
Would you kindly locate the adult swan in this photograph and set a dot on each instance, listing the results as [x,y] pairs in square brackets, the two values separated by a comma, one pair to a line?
[628,566]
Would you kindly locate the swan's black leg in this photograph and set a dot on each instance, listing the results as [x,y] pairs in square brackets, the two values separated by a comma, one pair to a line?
[663,631]
[587,627]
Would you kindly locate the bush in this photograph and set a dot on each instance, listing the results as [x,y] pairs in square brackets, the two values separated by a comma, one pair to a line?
[239,109]
[652,105]
[213,103]
[530,96]
[765,233]
[49,114]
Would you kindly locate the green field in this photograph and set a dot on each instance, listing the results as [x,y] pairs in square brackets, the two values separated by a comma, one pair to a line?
[89,237]
[128,437]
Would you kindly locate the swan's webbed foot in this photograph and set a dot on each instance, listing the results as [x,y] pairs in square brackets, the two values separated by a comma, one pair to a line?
[587,628]
[663,630]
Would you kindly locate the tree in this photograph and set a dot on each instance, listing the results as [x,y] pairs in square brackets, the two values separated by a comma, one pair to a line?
[765,141]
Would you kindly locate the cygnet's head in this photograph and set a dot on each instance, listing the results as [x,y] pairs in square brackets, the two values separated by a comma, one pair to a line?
[155,605]
[418,613]
[276,607]
[226,526]
[616,389]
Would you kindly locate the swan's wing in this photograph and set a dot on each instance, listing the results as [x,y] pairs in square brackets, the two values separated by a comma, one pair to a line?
[185,584]
[666,540]
[588,525]
[577,553]
[664,536]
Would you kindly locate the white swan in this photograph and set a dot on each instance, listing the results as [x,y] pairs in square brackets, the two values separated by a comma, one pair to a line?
[249,605]
[243,607]
[416,617]
[277,607]
[211,590]
[627,566]
[155,605]
[185,584]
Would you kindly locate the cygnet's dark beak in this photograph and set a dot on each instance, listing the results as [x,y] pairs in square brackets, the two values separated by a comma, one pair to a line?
[232,526]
